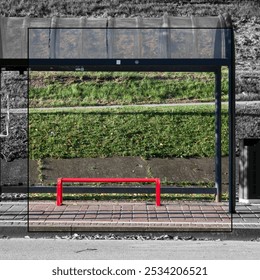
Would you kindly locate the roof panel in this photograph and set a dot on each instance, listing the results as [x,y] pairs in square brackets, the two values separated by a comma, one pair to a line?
[166,37]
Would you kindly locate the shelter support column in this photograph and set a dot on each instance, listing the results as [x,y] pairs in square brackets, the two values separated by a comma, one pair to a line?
[232,140]
[230,53]
[218,167]
[0,129]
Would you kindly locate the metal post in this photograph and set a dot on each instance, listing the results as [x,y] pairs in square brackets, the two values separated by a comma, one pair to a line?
[59,192]
[218,179]
[232,131]
[158,191]
[0,133]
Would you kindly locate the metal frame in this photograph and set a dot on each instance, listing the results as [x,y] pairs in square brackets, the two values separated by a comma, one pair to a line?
[171,65]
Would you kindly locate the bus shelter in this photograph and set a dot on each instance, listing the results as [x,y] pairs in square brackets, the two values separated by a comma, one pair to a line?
[172,44]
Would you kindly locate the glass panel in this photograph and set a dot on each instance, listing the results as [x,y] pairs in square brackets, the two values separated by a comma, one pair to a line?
[39,43]
[67,43]
[182,43]
[93,43]
[122,43]
[13,38]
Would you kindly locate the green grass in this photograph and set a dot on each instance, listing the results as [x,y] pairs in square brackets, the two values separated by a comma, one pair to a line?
[128,197]
[109,88]
[146,132]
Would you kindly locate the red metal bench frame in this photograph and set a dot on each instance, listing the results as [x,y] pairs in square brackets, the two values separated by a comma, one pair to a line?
[60,181]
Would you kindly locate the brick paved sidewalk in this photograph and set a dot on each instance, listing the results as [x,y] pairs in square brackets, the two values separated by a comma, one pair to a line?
[128,216]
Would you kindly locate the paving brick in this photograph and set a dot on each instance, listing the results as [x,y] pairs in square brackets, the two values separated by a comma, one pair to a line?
[84,207]
[90,216]
[38,208]
[251,220]
[67,216]
[17,208]
[72,208]
[7,217]
[20,217]
[54,217]
[79,217]
[4,208]
[138,215]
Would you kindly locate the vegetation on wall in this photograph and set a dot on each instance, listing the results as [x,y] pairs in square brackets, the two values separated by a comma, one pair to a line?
[113,88]
[154,132]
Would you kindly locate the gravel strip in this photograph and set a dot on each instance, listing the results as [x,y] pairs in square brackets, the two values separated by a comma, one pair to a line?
[13,196]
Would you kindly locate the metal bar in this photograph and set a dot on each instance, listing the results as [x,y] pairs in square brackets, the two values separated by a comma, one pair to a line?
[232,131]
[14,64]
[218,179]
[60,181]
[108,180]
[154,61]
[187,65]
[178,65]
[126,68]
[112,189]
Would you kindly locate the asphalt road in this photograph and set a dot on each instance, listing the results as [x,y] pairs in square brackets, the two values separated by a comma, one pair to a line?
[62,249]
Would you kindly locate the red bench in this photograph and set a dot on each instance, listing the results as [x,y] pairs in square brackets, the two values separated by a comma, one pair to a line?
[60,182]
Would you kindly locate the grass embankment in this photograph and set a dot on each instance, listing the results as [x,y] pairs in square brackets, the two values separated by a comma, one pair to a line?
[148,132]
[153,132]
[109,88]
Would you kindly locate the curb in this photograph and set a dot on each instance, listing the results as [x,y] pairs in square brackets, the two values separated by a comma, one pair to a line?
[21,231]
[124,229]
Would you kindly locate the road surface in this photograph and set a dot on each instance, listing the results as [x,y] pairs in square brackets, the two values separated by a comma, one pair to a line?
[62,249]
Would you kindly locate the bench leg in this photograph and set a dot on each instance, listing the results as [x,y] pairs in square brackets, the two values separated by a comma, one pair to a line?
[158,192]
[59,193]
